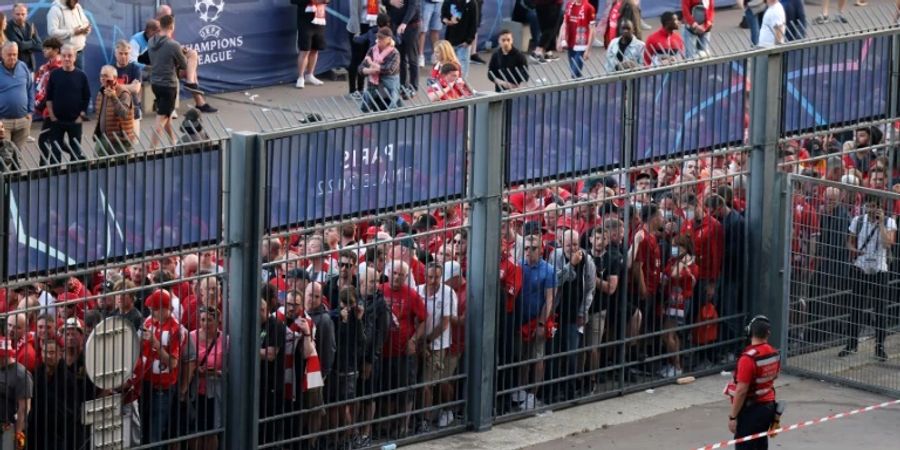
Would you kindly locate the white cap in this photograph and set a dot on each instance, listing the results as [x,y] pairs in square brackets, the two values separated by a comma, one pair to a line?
[451,269]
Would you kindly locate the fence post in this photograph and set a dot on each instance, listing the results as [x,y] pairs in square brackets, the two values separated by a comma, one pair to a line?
[4,224]
[484,249]
[244,169]
[894,97]
[766,206]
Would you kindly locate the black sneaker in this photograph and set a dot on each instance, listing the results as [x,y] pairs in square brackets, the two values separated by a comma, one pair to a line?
[880,354]
[550,56]
[207,108]
[477,59]
[840,18]
[193,88]
[847,351]
[538,58]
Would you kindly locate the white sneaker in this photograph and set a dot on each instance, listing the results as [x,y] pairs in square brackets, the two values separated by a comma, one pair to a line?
[518,396]
[311,79]
[174,115]
[531,402]
[301,83]
[421,60]
[445,419]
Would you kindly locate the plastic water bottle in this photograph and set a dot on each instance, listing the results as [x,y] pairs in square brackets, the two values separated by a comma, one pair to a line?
[391,446]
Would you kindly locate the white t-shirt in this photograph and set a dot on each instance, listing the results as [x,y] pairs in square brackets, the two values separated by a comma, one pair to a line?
[442,304]
[872,251]
[774,17]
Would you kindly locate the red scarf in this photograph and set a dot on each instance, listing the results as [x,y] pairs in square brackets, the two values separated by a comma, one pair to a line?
[317,7]
[371,11]
[378,57]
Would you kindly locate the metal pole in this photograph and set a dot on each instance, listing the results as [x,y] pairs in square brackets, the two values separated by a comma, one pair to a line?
[894,106]
[244,200]
[766,205]
[629,101]
[4,225]
[488,149]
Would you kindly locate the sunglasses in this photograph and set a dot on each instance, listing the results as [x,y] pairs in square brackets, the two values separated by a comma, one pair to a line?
[345,265]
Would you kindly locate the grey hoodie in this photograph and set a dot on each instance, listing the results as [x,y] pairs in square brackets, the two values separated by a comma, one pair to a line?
[166,59]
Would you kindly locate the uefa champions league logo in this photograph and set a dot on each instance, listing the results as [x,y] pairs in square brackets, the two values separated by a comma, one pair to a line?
[209,10]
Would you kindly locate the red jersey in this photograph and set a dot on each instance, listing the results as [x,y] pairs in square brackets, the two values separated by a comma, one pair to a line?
[26,355]
[40,82]
[662,43]
[680,288]
[407,309]
[709,246]
[511,282]
[805,226]
[612,27]
[649,258]
[169,336]
[688,9]
[579,16]
[459,90]
[189,313]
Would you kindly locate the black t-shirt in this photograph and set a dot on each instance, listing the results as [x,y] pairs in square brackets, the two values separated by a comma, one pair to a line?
[572,296]
[273,334]
[610,263]
[15,384]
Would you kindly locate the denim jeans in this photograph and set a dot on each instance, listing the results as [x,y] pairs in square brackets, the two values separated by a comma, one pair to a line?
[156,406]
[752,22]
[535,25]
[462,54]
[576,63]
[694,43]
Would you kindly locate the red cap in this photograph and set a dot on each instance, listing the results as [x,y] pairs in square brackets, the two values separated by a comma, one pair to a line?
[371,232]
[159,299]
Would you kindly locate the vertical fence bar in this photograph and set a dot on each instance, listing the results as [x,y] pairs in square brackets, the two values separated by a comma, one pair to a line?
[765,296]
[893,106]
[4,224]
[487,186]
[244,185]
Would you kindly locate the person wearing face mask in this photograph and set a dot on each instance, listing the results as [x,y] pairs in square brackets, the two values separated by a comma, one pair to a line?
[708,238]
[678,280]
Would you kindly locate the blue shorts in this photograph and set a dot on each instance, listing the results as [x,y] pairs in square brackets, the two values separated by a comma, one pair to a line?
[431,16]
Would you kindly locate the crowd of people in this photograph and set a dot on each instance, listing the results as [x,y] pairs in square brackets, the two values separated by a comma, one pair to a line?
[58,91]
[363,323]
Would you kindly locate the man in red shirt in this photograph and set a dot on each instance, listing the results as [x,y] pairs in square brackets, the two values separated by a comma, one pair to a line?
[577,33]
[708,238]
[406,330]
[665,45]
[22,341]
[158,365]
[698,21]
[753,390]
[645,264]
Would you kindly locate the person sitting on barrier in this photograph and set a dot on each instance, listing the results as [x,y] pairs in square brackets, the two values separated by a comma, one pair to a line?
[665,46]
[381,66]
[449,86]
[625,52]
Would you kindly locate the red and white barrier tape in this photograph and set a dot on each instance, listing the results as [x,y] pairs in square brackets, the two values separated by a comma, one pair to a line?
[798,425]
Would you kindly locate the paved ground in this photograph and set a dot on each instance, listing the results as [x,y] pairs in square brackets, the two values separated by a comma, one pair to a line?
[686,417]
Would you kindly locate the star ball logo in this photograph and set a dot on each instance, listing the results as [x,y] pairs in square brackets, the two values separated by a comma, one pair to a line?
[215,46]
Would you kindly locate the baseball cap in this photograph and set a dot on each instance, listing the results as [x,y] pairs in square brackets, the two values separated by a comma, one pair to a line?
[159,299]
[451,269]
[73,322]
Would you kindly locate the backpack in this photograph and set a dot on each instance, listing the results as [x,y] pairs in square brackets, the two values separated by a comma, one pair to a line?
[709,333]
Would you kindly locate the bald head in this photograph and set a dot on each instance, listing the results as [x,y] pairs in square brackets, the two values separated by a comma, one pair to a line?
[313,295]
[164,10]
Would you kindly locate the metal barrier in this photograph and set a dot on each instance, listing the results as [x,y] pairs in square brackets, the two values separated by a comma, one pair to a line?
[844,282]
[619,230]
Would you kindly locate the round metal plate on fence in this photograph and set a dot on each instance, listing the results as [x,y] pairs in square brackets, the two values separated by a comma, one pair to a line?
[111,352]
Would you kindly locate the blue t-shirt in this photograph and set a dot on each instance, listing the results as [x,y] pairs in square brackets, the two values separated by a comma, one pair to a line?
[535,280]
[126,75]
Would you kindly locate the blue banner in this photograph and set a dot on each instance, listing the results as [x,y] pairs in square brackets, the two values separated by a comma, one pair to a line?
[249,43]
[363,168]
[90,215]
[836,84]
[689,110]
[565,132]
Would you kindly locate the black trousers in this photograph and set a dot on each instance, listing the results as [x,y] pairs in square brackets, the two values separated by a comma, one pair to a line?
[754,419]
[357,55]
[869,292]
[61,137]
[409,57]
[549,17]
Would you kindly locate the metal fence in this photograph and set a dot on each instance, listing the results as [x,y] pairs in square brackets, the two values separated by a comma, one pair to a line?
[416,272]
[844,281]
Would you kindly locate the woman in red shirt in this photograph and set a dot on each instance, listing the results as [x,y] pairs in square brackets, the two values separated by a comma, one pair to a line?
[678,279]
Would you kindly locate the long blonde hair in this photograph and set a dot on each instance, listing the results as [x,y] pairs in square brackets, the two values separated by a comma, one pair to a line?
[445,53]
